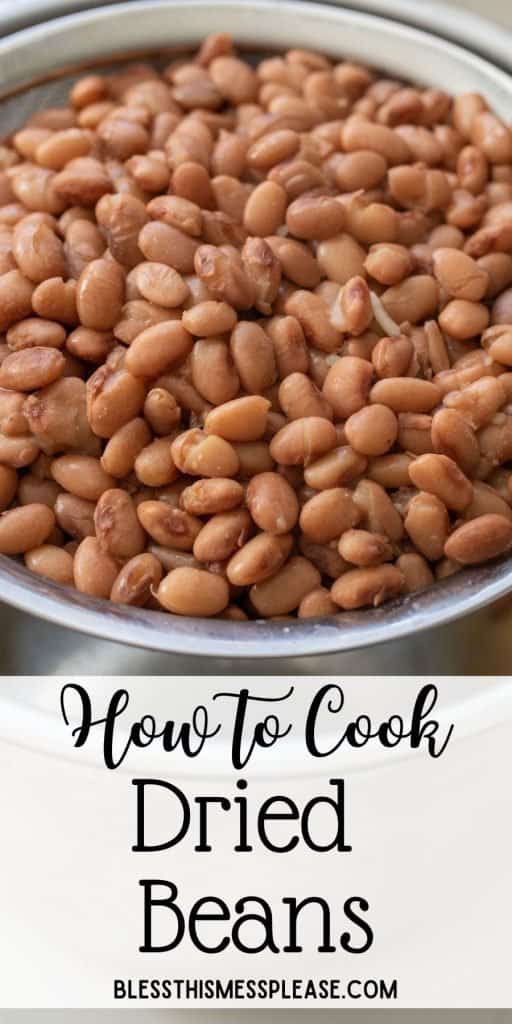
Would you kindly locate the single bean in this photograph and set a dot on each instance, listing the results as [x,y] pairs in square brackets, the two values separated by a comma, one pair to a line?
[263,269]
[158,348]
[371,586]
[199,454]
[360,134]
[415,299]
[317,604]
[462,319]
[297,262]
[284,591]
[440,475]
[124,446]
[118,530]
[114,397]
[389,263]
[214,373]
[416,572]
[100,294]
[222,535]
[427,524]
[265,209]
[194,592]
[392,356]
[453,436]
[303,440]
[328,514]
[209,319]
[459,275]
[480,539]
[390,471]
[94,570]
[253,355]
[377,511]
[15,298]
[137,580]
[243,419]
[339,258]
[299,396]
[37,250]
[209,497]
[24,528]
[31,368]
[314,217]
[409,394]
[170,527]
[347,385]
[81,475]
[161,411]
[154,464]
[272,503]
[362,548]
[52,562]
[35,331]
[372,430]
[336,468]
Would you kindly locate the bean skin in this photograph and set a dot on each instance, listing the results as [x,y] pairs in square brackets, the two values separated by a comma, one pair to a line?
[302,441]
[272,503]
[259,558]
[284,591]
[168,526]
[479,540]
[328,514]
[194,592]
[117,528]
[427,524]
[52,562]
[137,580]
[25,528]
[94,570]
[368,587]
[440,475]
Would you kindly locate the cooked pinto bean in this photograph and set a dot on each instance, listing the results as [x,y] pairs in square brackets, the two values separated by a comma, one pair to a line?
[479,540]
[137,580]
[117,527]
[189,591]
[360,588]
[440,475]
[272,503]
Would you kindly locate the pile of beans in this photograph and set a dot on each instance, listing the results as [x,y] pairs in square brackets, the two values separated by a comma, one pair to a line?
[256,349]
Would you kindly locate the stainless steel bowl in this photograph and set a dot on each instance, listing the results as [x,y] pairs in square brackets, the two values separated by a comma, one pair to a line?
[92,36]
